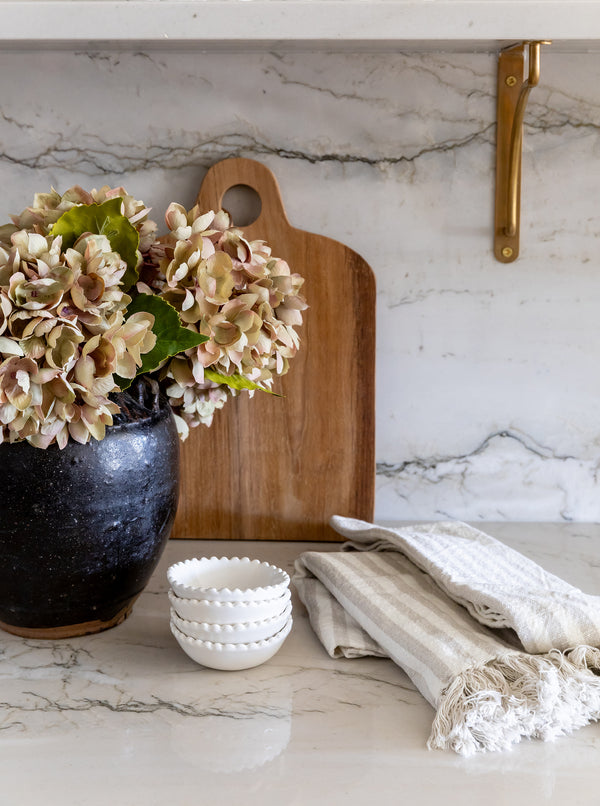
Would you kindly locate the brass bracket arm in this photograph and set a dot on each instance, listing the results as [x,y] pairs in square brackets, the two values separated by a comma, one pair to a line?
[513,93]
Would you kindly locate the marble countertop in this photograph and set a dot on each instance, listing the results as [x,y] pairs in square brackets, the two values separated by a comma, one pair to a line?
[125,717]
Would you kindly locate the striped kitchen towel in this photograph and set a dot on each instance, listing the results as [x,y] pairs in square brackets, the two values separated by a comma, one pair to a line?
[463,615]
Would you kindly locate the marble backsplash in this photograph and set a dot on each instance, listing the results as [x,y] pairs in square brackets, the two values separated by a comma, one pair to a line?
[487,374]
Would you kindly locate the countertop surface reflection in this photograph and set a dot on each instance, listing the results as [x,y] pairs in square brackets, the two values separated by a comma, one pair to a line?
[126,716]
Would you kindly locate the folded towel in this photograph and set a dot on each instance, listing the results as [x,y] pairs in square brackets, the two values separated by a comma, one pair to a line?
[418,595]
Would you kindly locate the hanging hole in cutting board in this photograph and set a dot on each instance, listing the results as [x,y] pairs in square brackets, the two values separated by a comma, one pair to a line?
[243,203]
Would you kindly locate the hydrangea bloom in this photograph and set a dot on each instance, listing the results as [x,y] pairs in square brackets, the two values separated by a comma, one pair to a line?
[63,332]
[233,291]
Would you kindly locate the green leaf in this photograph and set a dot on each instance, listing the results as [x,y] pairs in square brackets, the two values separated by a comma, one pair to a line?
[171,336]
[236,381]
[103,219]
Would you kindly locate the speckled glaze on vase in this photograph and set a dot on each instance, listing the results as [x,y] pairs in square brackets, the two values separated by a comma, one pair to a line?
[82,529]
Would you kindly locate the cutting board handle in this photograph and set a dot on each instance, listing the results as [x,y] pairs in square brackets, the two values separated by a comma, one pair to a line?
[238,171]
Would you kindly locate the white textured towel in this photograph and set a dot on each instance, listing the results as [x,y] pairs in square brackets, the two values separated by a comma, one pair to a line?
[426,596]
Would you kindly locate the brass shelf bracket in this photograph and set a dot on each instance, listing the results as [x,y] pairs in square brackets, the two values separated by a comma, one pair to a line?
[513,94]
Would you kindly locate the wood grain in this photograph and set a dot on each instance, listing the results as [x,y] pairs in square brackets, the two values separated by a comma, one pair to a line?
[277,468]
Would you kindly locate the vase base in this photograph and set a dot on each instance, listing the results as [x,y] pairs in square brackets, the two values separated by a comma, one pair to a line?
[69,630]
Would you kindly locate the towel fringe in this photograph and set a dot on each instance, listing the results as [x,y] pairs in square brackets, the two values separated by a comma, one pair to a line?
[517,696]
[585,657]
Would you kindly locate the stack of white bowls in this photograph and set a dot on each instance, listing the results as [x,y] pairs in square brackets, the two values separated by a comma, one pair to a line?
[229,613]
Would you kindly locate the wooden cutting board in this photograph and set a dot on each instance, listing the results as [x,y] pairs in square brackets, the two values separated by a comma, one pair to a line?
[277,468]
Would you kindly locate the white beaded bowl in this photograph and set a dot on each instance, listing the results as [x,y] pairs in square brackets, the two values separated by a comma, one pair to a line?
[231,657]
[240,633]
[227,579]
[228,612]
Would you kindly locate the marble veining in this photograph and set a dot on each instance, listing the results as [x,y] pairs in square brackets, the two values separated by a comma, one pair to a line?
[126,716]
[487,382]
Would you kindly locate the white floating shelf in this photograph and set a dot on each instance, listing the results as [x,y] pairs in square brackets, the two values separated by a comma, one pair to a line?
[440,24]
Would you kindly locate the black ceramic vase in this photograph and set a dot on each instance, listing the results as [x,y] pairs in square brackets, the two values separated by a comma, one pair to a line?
[82,529]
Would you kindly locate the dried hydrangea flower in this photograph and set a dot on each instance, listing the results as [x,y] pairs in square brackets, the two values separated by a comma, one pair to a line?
[233,291]
[63,334]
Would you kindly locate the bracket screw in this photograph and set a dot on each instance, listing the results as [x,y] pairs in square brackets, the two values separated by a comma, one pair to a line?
[507,252]
[510,81]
